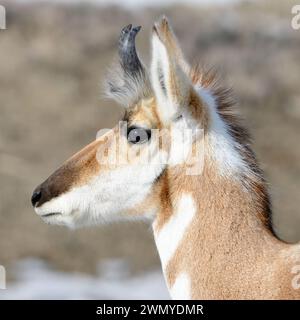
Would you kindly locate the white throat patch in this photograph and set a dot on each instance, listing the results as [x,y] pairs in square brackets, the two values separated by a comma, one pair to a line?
[169,237]
[181,289]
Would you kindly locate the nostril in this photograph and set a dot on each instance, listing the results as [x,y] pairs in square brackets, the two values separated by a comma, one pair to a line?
[36,197]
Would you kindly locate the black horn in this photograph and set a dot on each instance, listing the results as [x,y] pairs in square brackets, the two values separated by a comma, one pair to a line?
[129,59]
[128,82]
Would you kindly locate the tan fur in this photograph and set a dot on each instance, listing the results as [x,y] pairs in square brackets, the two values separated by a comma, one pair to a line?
[143,114]
[229,251]
[76,171]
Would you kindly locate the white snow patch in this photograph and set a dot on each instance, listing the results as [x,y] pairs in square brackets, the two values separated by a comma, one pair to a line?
[34,279]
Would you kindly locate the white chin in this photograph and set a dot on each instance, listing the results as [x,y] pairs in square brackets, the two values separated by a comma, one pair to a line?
[59,219]
[56,217]
[74,219]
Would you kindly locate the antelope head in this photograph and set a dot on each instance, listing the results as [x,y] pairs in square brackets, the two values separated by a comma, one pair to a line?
[123,173]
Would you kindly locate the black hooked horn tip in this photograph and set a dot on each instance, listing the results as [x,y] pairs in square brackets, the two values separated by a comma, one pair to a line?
[127,37]
[127,51]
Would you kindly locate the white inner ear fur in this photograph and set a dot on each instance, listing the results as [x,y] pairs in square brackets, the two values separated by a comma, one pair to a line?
[169,105]
[159,73]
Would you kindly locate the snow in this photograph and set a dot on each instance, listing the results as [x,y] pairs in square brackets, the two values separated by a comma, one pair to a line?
[34,279]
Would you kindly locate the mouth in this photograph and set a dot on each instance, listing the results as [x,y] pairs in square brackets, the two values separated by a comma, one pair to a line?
[50,214]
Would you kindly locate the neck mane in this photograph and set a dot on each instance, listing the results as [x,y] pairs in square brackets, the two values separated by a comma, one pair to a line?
[228,127]
[223,214]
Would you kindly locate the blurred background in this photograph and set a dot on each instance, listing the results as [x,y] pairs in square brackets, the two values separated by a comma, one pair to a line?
[53,56]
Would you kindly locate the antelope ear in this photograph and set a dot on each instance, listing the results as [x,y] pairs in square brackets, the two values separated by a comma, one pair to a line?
[171,84]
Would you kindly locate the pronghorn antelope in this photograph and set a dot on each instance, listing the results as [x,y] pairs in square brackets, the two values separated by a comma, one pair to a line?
[213,225]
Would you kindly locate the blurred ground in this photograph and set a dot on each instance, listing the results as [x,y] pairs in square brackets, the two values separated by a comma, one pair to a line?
[52,59]
[36,280]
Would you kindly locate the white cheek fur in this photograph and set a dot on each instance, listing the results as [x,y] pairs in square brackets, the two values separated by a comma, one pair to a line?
[105,198]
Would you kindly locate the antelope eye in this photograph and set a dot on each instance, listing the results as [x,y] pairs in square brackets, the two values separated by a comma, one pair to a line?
[138,135]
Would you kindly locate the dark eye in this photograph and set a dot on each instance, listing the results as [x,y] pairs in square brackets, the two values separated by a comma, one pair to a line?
[137,135]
